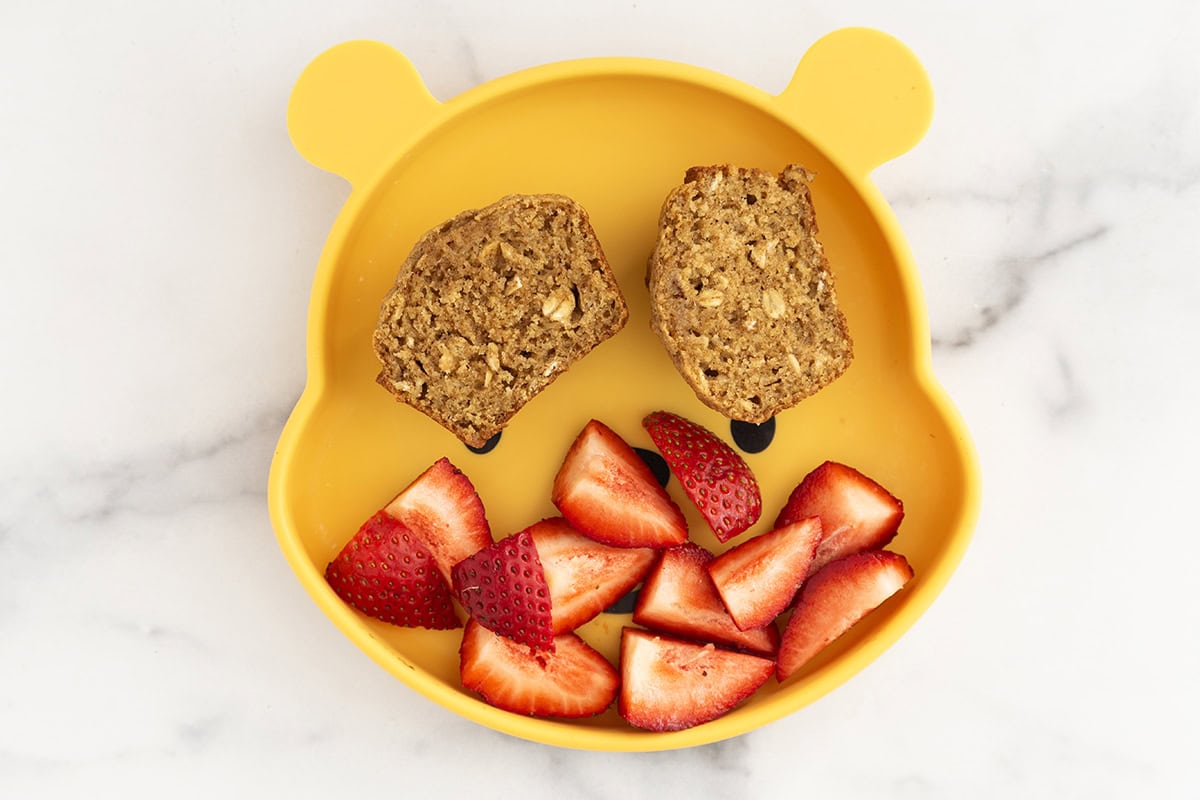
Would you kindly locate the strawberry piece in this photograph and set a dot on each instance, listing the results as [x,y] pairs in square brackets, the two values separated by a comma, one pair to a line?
[388,573]
[504,589]
[834,599]
[669,684]
[713,475]
[572,681]
[584,577]
[857,514]
[442,507]
[679,597]
[608,493]
[758,579]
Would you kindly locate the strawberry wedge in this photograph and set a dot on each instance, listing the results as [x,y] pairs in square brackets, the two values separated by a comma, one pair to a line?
[443,509]
[669,684]
[503,588]
[388,573]
[834,599]
[583,576]
[573,681]
[857,514]
[712,474]
[758,579]
[608,493]
[679,597]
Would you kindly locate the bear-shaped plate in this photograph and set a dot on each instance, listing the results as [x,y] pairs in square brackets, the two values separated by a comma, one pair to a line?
[615,134]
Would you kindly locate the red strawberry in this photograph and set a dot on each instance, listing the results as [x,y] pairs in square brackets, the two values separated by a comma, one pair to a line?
[504,589]
[856,513]
[608,493]
[584,577]
[715,477]
[572,681]
[442,507]
[679,597]
[758,579]
[669,684]
[835,598]
[387,573]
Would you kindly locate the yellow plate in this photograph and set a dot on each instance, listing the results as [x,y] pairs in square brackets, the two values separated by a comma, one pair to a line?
[615,134]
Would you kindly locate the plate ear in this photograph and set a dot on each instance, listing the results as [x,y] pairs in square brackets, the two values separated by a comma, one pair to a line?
[355,105]
[862,96]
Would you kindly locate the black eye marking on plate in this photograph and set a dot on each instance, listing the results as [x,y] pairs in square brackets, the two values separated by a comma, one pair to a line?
[488,446]
[626,604]
[657,465]
[750,437]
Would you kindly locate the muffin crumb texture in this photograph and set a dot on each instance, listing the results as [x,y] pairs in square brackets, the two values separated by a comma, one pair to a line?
[491,307]
[741,293]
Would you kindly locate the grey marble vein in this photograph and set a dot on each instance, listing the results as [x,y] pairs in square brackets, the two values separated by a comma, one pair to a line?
[199,733]
[470,61]
[227,466]
[1065,397]
[1017,272]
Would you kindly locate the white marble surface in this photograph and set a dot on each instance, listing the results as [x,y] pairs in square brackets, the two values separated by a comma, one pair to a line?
[159,238]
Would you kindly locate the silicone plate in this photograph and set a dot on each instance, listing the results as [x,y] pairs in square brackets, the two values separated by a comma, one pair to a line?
[616,135]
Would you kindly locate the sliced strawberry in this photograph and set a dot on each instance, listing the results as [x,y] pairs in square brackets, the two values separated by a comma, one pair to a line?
[831,601]
[713,475]
[504,589]
[584,577]
[442,507]
[608,493]
[573,681]
[669,684]
[679,597]
[758,579]
[388,573]
[856,513]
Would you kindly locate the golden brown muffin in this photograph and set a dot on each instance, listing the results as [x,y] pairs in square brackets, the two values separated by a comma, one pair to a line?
[741,294]
[493,305]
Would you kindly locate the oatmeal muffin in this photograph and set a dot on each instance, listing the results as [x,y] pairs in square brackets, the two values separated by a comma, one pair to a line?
[741,294]
[492,306]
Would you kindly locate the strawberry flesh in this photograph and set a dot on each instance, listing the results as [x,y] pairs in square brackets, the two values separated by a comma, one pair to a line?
[712,474]
[857,514]
[442,507]
[584,577]
[758,579]
[388,573]
[504,589]
[834,599]
[608,493]
[679,597]
[572,681]
[670,684]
